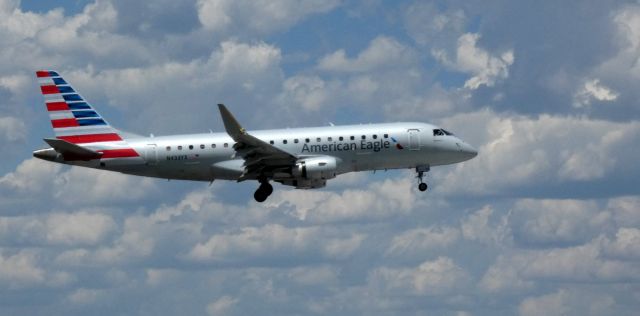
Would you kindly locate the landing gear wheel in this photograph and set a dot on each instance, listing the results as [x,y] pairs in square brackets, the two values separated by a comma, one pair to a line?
[262,193]
[260,196]
[267,188]
[421,170]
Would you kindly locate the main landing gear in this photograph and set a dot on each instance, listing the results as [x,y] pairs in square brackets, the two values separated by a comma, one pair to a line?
[264,190]
[422,186]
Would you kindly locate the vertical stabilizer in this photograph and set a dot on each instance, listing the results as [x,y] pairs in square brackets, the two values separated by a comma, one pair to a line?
[74,120]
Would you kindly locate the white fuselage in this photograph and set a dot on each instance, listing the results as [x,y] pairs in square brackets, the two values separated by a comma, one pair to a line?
[210,156]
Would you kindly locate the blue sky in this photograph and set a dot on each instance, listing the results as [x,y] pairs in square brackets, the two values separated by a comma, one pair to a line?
[546,220]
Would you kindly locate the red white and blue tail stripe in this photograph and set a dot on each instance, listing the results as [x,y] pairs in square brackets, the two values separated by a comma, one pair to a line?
[76,121]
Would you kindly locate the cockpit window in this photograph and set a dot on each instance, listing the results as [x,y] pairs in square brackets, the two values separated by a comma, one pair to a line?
[441,132]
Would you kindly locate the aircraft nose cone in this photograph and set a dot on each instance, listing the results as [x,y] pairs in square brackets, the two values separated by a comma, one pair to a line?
[468,151]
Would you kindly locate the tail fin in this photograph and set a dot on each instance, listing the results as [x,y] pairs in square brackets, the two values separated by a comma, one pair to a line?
[72,117]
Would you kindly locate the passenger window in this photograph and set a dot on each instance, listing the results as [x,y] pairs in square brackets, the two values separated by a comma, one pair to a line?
[168,148]
[201,146]
[329,139]
[190,147]
[318,139]
[284,141]
[375,136]
[271,142]
[341,138]
[386,135]
[352,137]
[226,145]
[213,145]
[295,140]
[306,140]
[364,137]
[179,147]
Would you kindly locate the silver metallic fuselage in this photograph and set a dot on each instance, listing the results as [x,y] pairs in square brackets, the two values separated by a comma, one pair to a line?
[205,157]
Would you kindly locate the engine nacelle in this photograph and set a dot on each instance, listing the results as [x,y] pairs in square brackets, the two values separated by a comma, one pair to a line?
[315,168]
[305,184]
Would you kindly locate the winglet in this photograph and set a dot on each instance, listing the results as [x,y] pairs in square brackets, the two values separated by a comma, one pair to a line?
[72,151]
[231,125]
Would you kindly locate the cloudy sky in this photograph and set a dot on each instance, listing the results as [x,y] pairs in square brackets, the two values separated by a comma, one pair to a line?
[545,221]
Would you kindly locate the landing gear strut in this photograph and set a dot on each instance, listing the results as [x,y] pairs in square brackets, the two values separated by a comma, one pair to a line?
[264,190]
[422,186]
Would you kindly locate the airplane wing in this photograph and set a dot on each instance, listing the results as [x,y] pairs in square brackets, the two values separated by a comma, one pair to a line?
[260,158]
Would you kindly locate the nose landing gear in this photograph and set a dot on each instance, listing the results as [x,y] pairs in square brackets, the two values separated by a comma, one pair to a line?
[422,186]
[262,193]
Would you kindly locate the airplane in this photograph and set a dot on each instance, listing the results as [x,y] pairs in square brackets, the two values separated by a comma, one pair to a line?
[304,158]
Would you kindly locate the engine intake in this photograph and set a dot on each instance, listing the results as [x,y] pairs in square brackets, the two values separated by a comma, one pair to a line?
[315,168]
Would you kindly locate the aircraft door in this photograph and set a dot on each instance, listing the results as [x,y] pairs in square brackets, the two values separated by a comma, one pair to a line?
[414,139]
[151,154]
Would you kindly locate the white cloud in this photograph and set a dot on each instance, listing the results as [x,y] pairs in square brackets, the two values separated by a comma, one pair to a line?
[625,210]
[422,240]
[566,302]
[428,25]
[161,277]
[321,275]
[18,83]
[479,226]
[625,245]
[246,73]
[221,306]
[12,129]
[31,175]
[78,228]
[84,296]
[437,277]
[252,243]
[521,151]
[469,58]
[21,269]
[593,90]
[35,176]
[556,221]
[627,22]
[382,52]
[18,25]
[311,93]
[583,263]
[65,229]
[381,200]
[261,17]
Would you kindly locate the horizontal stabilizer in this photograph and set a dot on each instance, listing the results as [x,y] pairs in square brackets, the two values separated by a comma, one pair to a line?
[72,151]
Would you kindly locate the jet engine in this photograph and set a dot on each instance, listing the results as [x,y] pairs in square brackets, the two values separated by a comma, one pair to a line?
[315,168]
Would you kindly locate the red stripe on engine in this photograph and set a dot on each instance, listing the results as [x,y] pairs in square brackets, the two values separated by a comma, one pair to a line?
[42,74]
[49,89]
[91,138]
[57,106]
[71,122]
[118,153]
